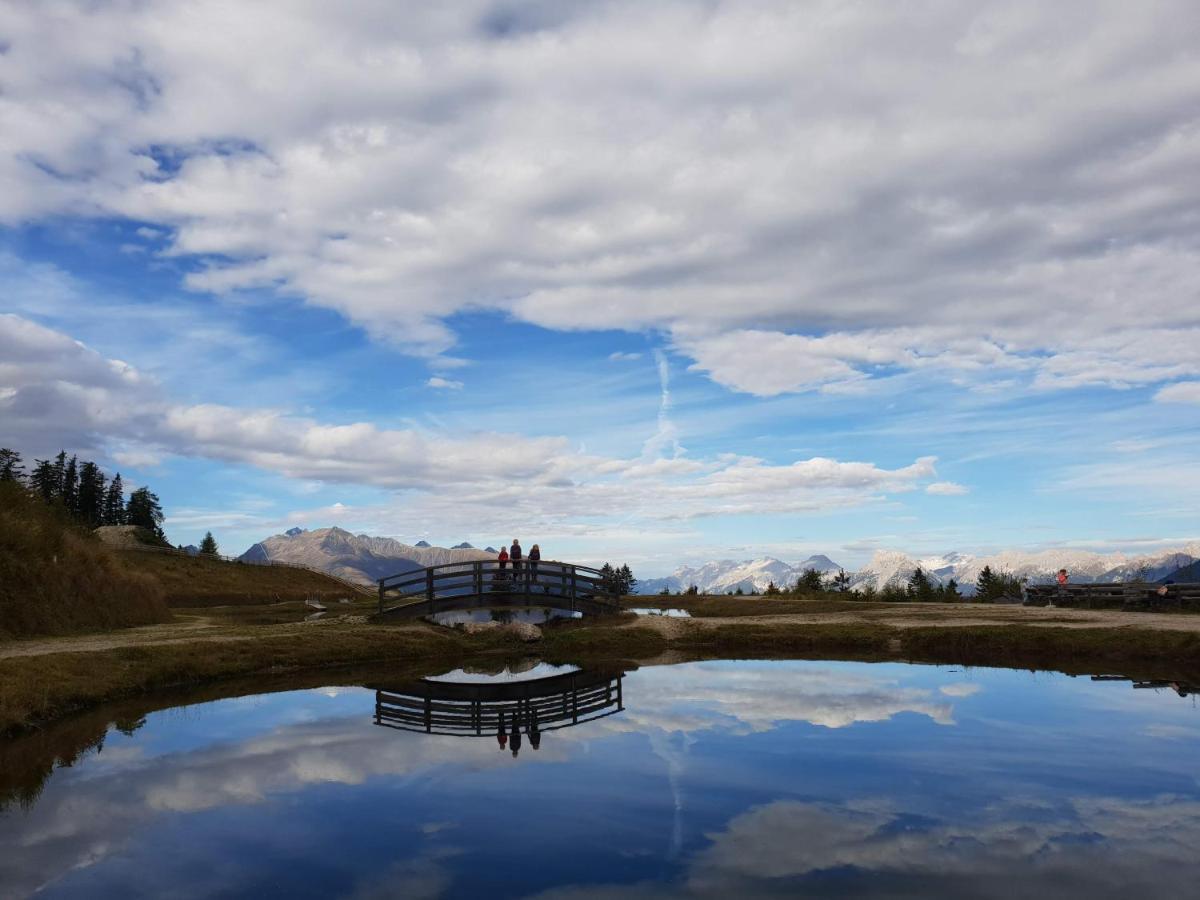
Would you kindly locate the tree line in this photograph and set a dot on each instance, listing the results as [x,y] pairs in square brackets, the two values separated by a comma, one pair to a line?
[83,490]
[990,587]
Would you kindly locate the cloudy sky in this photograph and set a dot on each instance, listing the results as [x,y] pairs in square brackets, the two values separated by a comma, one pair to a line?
[658,282]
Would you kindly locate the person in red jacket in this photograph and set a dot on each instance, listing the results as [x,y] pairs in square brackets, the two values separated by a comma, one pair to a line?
[503,559]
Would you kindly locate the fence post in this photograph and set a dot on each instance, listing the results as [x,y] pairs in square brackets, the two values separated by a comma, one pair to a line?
[429,587]
[478,566]
[381,596]
[572,587]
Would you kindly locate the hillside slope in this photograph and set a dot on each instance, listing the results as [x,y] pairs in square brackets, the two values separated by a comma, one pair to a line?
[204,581]
[57,579]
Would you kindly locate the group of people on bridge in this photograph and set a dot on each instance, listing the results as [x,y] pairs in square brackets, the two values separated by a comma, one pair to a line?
[514,556]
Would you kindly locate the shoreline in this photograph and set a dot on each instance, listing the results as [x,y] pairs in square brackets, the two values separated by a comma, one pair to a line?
[65,677]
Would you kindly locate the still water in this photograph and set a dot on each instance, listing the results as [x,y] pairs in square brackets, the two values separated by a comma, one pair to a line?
[711,779]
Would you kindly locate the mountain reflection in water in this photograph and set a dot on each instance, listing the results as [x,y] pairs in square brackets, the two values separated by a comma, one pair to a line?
[712,779]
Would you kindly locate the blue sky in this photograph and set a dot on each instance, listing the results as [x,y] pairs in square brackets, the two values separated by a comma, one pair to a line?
[660,285]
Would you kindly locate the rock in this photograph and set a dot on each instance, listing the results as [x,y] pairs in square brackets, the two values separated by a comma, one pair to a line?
[523,631]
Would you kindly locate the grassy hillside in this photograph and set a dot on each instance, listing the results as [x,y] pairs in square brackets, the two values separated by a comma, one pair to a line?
[55,578]
[200,581]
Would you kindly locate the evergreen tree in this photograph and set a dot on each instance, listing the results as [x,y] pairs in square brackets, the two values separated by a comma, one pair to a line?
[692,591]
[114,502]
[950,591]
[739,593]
[46,480]
[772,590]
[209,544]
[841,581]
[626,579]
[10,466]
[985,586]
[91,494]
[919,587]
[70,487]
[608,578]
[810,582]
[144,511]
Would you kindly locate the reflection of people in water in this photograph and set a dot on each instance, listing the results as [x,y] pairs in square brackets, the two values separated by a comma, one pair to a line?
[535,733]
[501,737]
[514,738]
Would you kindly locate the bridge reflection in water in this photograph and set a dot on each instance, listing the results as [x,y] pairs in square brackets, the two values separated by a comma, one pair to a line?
[507,711]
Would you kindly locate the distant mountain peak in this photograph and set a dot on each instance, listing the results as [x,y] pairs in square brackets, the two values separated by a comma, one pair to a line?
[292,532]
[422,544]
[463,546]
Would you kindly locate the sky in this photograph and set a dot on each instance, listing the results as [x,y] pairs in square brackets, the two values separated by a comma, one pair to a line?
[658,283]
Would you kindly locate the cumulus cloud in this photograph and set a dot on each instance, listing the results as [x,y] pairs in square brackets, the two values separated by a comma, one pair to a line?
[444,384]
[800,197]
[55,391]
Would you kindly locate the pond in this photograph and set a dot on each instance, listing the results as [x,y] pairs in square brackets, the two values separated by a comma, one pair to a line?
[706,779]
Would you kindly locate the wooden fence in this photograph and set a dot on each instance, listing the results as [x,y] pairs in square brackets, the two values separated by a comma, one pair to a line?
[1116,595]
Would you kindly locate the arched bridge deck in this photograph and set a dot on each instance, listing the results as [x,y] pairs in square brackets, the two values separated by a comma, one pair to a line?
[479,710]
[483,584]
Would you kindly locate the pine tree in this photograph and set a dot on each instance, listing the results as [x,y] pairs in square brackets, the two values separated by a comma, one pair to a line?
[209,544]
[10,466]
[919,587]
[114,502]
[950,591]
[772,590]
[985,586]
[608,578]
[144,511]
[91,494]
[625,580]
[810,582]
[70,487]
[46,480]
[841,581]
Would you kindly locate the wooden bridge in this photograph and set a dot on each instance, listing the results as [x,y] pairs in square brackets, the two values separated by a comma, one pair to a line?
[494,708]
[483,584]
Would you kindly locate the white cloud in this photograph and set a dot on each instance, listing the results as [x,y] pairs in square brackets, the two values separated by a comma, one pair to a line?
[997,184]
[946,489]
[1183,392]
[621,356]
[446,384]
[57,392]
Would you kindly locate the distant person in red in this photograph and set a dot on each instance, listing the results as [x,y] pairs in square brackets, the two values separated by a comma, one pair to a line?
[1062,577]
[514,553]
[535,556]
[503,559]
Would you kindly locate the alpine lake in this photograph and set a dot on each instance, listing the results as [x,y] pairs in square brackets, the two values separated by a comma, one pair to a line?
[698,779]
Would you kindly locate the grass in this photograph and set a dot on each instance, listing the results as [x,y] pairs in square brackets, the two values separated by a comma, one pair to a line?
[197,581]
[55,578]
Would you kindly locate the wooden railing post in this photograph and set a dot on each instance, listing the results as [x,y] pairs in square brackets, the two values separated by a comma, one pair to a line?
[381,596]
[429,587]
[478,571]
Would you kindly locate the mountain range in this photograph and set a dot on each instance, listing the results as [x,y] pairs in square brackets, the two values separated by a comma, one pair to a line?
[893,567]
[356,557]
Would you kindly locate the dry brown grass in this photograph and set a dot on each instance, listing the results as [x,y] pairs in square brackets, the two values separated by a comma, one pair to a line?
[57,579]
[199,581]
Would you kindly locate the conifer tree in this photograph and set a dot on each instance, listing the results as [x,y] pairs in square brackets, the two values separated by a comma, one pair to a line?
[772,590]
[919,587]
[46,480]
[209,544]
[11,468]
[985,586]
[950,591]
[625,580]
[810,582]
[144,511]
[90,504]
[114,502]
[70,486]
[841,581]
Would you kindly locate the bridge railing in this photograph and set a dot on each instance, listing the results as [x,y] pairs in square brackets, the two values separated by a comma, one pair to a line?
[545,579]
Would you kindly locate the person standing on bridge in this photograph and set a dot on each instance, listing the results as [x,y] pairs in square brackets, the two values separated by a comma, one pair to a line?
[503,559]
[535,556]
[514,553]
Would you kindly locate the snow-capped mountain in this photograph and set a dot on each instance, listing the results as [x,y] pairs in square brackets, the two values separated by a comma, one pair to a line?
[723,576]
[357,557]
[894,567]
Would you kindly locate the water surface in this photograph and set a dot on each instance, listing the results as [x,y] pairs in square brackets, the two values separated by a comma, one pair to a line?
[713,779]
